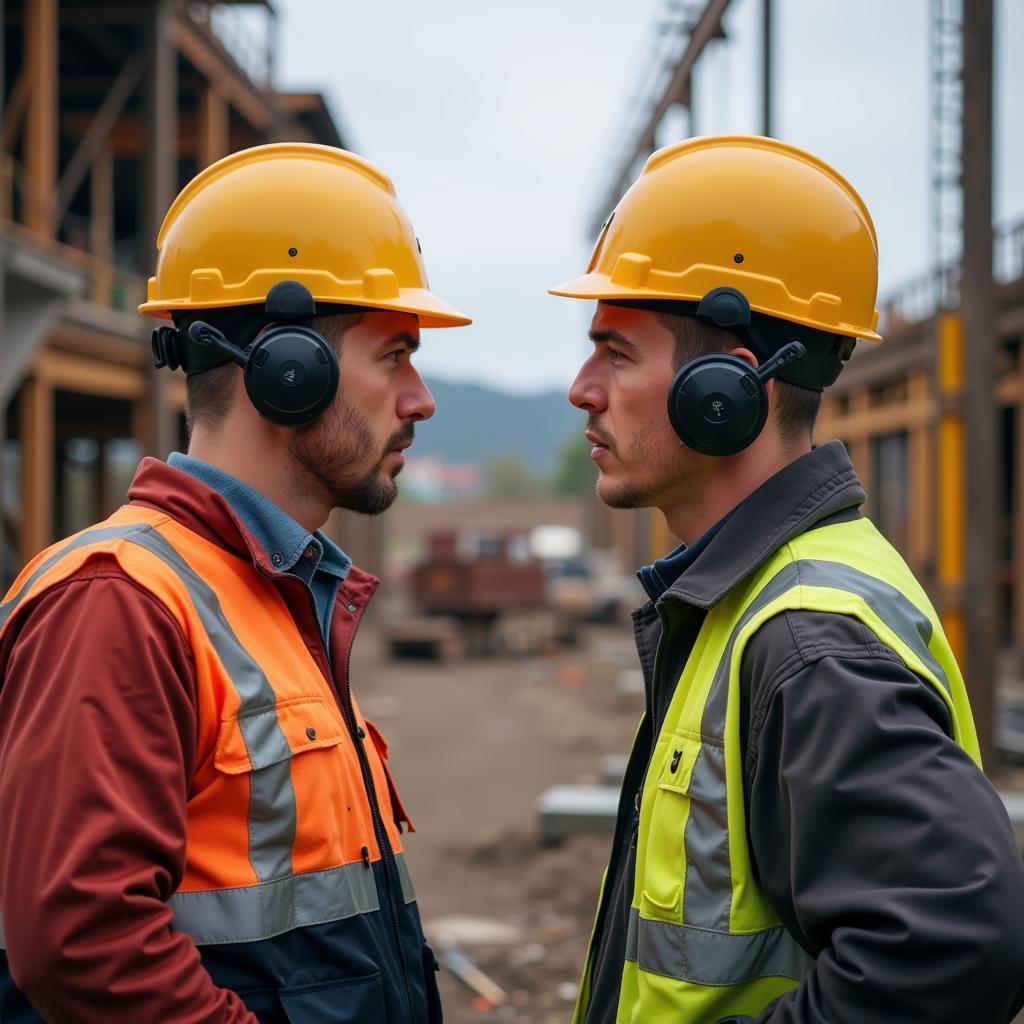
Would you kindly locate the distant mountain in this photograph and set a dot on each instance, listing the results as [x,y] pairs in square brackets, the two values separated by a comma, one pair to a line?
[474,423]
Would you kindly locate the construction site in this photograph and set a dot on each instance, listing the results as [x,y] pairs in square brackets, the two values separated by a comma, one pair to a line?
[498,658]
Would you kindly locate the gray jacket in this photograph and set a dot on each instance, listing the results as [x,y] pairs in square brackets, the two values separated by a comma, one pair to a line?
[882,848]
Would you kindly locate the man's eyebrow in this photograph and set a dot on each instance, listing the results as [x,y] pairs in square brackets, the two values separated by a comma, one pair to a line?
[597,337]
[411,343]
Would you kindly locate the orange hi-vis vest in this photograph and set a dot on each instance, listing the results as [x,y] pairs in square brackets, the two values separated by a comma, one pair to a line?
[288,808]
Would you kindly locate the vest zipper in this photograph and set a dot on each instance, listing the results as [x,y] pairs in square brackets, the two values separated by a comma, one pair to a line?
[393,883]
[387,854]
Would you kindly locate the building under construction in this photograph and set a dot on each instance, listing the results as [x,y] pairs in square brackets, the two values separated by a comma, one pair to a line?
[934,418]
[108,110]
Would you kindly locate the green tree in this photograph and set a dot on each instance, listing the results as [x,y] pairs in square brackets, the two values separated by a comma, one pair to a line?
[575,474]
[508,476]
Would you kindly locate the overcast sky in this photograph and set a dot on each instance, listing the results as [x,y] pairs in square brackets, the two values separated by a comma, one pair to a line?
[497,124]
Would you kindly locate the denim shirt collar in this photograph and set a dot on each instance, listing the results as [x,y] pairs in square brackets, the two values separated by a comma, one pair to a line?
[284,540]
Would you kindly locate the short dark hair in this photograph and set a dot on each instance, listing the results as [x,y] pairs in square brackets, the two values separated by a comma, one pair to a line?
[207,394]
[796,408]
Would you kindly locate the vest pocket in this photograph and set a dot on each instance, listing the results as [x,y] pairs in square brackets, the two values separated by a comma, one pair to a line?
[349,1001]
[265,736]
[664,866]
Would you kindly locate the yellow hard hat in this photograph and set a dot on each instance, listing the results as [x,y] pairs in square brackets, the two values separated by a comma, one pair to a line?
[743,212]
[298,212]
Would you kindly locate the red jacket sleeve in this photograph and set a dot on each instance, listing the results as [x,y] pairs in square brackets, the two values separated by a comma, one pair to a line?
[97,742]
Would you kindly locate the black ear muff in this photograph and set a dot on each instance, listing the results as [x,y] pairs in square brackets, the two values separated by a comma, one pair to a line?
[291,375]
[291,372]
[718,404]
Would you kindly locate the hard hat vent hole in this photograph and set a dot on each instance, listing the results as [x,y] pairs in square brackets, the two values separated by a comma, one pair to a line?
[293,251]
[738,258]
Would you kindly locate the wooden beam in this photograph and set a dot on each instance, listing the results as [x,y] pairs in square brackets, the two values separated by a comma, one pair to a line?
[160,174]
[101,226]
[214,127]
[99,129]
[94,377]
[859,446]
[209,57]
[41,126]
[922,481]
[126,13]
[128,137]
[865,421]
[37,465]
[14,113]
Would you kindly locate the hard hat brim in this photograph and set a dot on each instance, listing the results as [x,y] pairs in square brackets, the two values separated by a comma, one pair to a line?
[597,286]
[432,311]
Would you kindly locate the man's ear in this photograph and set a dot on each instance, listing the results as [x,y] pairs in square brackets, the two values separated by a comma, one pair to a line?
[746,355]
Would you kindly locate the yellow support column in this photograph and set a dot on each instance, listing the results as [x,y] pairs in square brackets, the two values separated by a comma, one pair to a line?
[951,481]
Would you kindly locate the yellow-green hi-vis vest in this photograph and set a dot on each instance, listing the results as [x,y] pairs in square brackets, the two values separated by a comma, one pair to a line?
[703,941]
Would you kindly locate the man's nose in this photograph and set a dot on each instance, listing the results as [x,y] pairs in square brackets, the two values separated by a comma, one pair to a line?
[416,402]
[586,393]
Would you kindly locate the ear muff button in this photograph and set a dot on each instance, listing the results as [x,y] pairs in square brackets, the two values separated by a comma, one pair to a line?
[291,374]
[260,357]
[716,408]
[321,357]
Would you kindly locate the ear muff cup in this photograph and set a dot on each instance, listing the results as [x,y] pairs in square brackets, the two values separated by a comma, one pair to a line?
[717,404]
[291,375]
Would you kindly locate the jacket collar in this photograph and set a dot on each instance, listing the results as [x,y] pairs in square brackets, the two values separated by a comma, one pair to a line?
[818,485]
[204,511]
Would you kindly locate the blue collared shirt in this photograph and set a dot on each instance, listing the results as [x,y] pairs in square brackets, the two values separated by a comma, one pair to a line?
[657,578]
[314,558]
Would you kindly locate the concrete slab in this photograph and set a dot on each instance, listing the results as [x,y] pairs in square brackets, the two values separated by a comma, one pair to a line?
[576,810]
[613,768]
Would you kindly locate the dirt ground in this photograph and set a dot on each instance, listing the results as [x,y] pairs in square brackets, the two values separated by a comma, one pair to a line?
[473,744]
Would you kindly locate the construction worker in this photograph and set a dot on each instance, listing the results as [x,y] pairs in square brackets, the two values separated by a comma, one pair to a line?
[804,832]
[198,823]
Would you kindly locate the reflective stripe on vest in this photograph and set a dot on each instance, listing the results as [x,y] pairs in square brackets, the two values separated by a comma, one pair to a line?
[281,899]
[253,912]
[703,941]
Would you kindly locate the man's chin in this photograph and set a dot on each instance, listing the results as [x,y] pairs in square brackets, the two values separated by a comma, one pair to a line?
[621,495]
[371,498]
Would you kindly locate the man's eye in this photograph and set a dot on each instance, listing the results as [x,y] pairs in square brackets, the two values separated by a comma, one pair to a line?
[396,355]
[614,355]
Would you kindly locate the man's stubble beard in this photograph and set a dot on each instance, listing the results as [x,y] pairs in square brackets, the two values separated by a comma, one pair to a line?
[332,454]
[663,475]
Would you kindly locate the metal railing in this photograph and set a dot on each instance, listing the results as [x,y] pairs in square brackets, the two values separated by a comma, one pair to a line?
[246,31]
[919,298]
[665,46]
